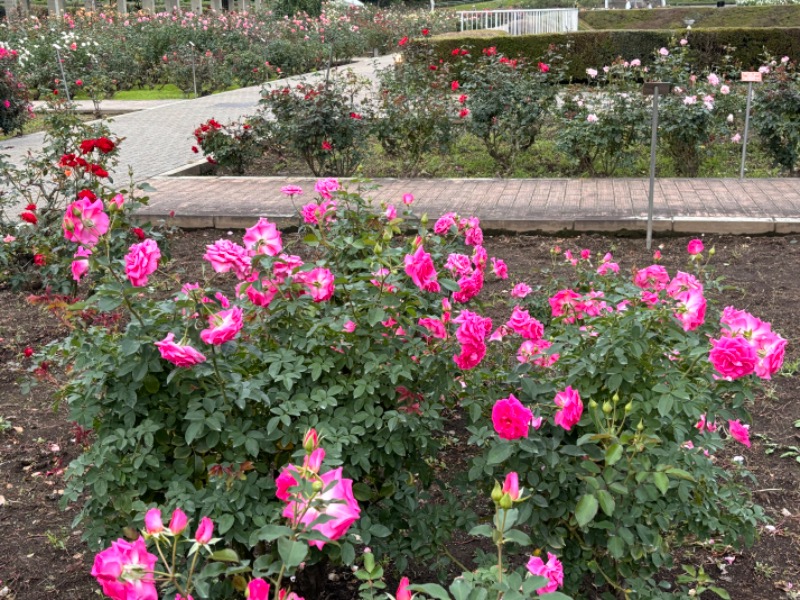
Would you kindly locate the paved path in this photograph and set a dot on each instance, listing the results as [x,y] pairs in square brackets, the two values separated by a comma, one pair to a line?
[754,206]
[159,140]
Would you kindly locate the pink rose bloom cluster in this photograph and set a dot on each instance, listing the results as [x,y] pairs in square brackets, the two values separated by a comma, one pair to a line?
[225,255]
[318,282]
[687,290]
[747,345]
[570,408]
[512,420]
[141,262]
[534,352]
[653,278]
[125,571]
[85,220]
[553,570]
[470,227]
[317,214]
[571,306]
[524,325]
[608,266]
[471,334]
[326,187]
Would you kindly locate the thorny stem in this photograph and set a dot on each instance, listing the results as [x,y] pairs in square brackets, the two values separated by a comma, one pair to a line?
[500,548]
[458,563]
[191,572]
[219,377]
[119,281]
[169,566]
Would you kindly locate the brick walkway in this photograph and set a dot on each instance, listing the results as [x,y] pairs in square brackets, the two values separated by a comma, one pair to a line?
[754,206]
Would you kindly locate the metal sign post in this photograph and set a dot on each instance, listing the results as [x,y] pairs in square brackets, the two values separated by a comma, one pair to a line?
[750,77]
[194,68]
[653,88]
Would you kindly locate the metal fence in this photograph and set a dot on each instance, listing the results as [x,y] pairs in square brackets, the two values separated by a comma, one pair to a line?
[521,22]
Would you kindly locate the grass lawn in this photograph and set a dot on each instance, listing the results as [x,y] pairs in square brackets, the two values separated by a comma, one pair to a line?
[704,17]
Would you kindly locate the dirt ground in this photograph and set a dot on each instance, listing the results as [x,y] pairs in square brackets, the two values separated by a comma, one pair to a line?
[41,556]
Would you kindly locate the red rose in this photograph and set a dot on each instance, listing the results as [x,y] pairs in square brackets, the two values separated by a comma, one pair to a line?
[87,146]
[98,171]
[195,150]
[29,217]
[403,41]
[104,144]
[38,260]
[31,207]
[139,233]
[28,352]
[544,67]
[326,145]
[88,194]
[426,31]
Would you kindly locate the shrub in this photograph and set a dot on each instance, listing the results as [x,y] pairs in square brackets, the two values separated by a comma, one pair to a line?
[776,113]
[191,70]
[233,146]
[15,109]
[323,123]
[507,100]
[415,111]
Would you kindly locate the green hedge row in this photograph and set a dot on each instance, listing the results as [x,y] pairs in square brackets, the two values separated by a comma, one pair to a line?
[597,48]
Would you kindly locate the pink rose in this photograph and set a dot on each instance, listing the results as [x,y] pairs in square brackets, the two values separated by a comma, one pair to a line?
[470,356]
[403,592]
[292,190]
[469,287]
[408,199]
[553,570]
[474,234]
[523,324]
[571,408]
[739,432]
[223,326]
[263,238]
[533,352]
[770,353]
[608,267]
[178,354]
[511,486]
[706,425]
[319,282]
[80,266]
[178,522]
[326,187]
[499,268]
[141,262]
[732,357]
[695,246]
[349,327]
[445,223]
[84,221]
[458,264]
[152,521]
[125,570]
[265,295]
[435,326]
[339,505]
[521,290]
[225,255]
[510,418]
[564,304]
[257,589]
[419,266]
[205,531]
[653,278]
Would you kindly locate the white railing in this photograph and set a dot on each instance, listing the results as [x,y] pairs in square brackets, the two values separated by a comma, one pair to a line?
[521,22]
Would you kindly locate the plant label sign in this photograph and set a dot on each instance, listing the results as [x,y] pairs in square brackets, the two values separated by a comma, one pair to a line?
[751,76]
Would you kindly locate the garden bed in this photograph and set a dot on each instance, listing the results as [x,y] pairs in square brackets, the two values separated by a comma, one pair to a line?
[39,553]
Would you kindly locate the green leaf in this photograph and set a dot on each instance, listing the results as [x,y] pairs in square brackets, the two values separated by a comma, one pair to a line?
[607,502]
[680,474]
[380,531]
[348,553]
[482,531]
[433,590]
[616,547]
[225,555]
[613,454]
[292,553]
[586,510]
[661,481]
[720,592]
[499,453]
[224,523]
[518,537]
[554,596]
[375,316]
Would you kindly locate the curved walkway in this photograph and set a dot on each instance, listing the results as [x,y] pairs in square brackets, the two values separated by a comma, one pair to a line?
[159,140]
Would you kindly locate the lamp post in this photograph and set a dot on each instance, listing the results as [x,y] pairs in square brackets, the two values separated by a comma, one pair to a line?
[653,88]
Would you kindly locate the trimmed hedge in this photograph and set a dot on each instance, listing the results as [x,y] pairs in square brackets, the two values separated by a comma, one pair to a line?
[597,48]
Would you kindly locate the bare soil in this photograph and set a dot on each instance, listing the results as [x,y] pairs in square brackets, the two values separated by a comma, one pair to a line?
[41,556]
